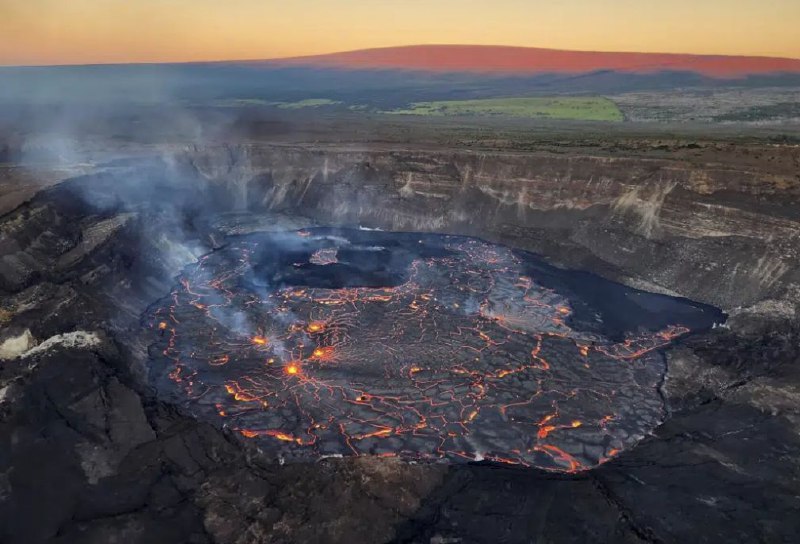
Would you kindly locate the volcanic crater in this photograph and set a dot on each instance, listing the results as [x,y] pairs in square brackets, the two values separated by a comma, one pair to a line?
[385,342]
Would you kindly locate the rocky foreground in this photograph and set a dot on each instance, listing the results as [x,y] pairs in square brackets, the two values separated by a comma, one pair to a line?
[88,452]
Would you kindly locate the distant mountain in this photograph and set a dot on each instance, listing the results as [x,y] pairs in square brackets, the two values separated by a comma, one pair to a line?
[528,60]
[392,78]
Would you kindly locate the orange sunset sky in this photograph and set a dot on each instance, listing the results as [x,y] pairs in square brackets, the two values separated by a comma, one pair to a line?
[110,31]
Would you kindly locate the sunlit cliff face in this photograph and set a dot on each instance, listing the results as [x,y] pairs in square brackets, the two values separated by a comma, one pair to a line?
[418,346]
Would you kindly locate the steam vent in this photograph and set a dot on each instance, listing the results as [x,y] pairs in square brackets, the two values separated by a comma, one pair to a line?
[426,347]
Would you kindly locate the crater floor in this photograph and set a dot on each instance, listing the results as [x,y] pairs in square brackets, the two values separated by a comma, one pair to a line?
[350,342]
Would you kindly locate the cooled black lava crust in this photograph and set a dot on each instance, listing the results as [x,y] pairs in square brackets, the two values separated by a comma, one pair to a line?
[352,342]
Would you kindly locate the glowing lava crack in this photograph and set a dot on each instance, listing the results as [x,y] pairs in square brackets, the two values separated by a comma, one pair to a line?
[463,357]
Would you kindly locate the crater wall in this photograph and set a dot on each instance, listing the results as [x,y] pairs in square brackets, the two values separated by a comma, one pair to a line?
[723,235]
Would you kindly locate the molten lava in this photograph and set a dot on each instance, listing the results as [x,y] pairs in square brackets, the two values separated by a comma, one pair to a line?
[466,358]
[315,326]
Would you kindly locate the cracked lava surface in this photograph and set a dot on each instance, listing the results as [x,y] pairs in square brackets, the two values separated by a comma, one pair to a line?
[352,342]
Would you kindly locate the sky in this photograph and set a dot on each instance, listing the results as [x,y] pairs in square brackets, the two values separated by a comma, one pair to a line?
[111,31]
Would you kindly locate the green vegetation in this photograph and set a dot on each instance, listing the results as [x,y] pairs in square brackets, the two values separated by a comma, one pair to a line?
[308,103]
[238,102]
[583,108]
[593,108]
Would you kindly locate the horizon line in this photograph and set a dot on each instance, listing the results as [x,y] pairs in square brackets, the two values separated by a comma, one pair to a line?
[379,48]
